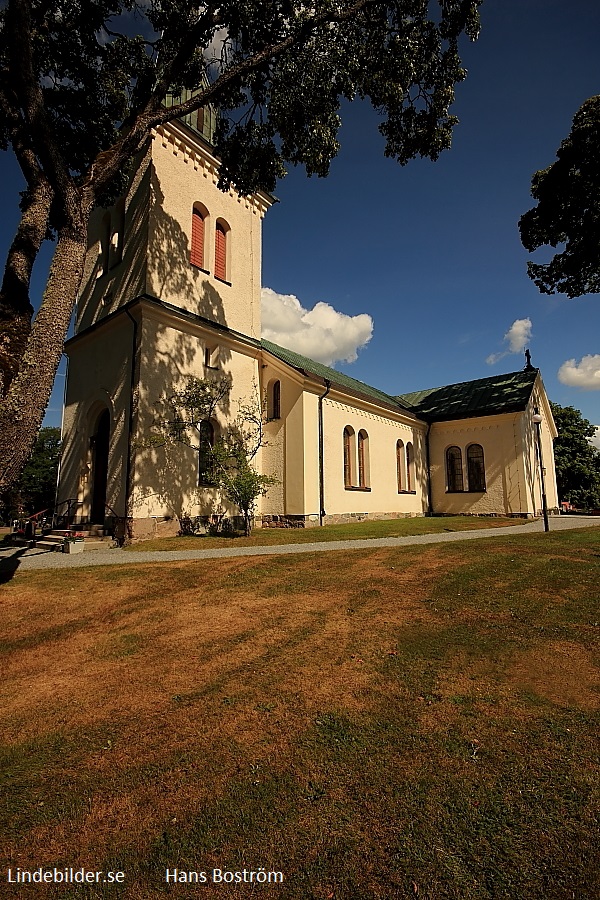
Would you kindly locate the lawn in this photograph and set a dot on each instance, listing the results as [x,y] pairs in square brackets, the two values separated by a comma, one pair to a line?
[268,537]
[399,723]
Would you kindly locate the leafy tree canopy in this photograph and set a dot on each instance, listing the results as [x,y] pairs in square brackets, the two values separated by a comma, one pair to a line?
[577,460]
[83,83]
[568,211]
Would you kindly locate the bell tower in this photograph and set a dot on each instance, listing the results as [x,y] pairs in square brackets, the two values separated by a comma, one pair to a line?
[171,290]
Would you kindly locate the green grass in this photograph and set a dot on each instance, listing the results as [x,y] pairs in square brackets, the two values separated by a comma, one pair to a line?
[267,537]
[408,722]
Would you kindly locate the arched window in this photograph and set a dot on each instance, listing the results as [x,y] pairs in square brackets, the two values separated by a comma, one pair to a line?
[410,467]
[363,459]
[117,234]
[105,236]
[476,467]
[197,248]
[206,440]
[221,238]
[454,470]
[211,356]
[274,400]
[400,465]
[349,448]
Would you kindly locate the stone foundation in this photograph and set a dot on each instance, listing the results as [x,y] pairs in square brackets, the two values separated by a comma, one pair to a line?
[349,518]
[147,529]
[287,522]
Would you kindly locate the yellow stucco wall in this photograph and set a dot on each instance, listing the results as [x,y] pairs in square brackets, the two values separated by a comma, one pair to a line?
[292,452]
[184,172]
[99,378]
[108,284]
[166,475]
[531,470]
[512,471]
[500,437]
[383,431]
[176,171]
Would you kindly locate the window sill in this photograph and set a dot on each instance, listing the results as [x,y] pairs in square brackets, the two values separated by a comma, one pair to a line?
[352,487]
[199,268]
[467,492]
[407,492]
[223,281]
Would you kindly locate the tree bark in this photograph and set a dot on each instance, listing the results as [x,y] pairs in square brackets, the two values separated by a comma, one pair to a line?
[16,311]
[22,408]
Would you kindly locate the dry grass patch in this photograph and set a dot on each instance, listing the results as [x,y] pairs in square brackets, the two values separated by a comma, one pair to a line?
[365,722]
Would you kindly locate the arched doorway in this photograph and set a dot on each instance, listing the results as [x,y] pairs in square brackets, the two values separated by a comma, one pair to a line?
[100,441]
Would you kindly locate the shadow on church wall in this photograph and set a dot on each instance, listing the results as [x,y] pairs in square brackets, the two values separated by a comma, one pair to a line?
[171,276]
[100,371]
[108,288]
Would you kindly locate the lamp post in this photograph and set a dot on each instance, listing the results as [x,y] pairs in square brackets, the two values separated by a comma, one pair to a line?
[537,420]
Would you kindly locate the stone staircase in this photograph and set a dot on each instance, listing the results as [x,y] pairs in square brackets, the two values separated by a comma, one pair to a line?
[93,538]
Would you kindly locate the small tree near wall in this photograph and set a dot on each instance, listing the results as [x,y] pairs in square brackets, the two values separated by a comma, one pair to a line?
[230,458]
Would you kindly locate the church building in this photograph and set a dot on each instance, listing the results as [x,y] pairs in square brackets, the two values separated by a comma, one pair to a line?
[172,290]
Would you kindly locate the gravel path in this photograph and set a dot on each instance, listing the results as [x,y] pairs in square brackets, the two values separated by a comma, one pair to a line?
[13,559]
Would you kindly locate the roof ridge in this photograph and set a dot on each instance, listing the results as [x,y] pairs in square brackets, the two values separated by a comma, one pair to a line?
[442,387]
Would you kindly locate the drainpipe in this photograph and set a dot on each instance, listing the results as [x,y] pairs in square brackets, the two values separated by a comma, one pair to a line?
[129,470]
[321,451]
[428,464]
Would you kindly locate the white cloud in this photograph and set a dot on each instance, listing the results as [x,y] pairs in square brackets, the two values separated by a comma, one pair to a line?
[321,333]
[585,374]
[596,439]
[517,337]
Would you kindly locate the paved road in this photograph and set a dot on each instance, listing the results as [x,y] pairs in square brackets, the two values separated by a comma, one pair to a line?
[11,560]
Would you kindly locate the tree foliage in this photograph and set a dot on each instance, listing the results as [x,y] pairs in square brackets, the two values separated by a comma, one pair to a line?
[577,460]
[35,490]
[229,460]
[83,83]
[568,211]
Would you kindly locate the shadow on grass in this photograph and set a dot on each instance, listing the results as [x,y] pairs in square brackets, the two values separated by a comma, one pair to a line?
[10,563]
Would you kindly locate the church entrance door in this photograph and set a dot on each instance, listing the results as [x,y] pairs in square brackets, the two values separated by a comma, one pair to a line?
[100,468]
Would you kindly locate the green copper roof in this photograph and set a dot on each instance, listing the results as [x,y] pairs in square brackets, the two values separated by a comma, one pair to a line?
[483,397]
[338,378]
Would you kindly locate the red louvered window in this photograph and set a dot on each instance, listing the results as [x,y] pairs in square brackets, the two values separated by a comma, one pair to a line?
[197,253]
[220,252]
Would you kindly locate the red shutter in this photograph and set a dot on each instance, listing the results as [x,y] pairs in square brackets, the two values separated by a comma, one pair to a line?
[197,254]
[220,252]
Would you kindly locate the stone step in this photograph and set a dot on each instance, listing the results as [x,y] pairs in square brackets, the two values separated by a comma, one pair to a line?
[55,540]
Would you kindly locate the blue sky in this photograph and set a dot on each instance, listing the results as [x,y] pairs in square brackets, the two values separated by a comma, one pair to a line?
[431,251]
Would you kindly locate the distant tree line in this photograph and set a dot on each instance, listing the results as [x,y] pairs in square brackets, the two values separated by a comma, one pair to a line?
[36,488]
[577,460]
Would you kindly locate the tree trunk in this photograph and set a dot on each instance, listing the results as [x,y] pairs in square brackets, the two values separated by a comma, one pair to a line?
[23,407]
[16,310]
